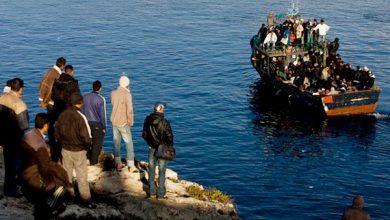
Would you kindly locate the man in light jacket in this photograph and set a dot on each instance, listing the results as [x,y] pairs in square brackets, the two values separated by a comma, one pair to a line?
[122,119]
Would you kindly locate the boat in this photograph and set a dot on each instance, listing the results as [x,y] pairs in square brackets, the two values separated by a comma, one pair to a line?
[332,100]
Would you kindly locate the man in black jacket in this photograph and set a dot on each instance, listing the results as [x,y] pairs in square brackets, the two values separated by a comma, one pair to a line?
[156,131]
[63,88]
[74,134]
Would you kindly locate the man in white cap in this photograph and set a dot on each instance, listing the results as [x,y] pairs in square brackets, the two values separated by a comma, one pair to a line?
[122,119]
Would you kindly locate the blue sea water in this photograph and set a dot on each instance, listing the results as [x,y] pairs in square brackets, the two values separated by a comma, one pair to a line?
[194,55]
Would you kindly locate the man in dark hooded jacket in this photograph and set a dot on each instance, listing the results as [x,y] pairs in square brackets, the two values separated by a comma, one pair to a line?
[156,131]
[63,88]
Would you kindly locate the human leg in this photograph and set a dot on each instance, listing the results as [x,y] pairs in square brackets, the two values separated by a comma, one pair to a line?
[162,167]
[126,134]
[11,166]
[117,144]
[81,170]
[97,142]
[151,172]
[67,163]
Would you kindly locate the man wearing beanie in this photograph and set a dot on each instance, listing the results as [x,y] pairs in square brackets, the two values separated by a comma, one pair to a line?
[122,118]
[74,135]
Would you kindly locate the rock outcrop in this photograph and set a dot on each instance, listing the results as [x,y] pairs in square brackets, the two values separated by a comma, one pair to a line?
[122,195]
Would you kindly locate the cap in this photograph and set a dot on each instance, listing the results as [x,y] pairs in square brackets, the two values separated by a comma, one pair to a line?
[158,106]
[124,81]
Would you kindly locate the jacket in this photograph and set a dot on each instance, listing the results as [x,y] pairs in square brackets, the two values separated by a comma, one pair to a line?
[12,101]
[63,88]
[157,130]
[122,107]
[94,108]
[72,130]
[36,167]
[46,86]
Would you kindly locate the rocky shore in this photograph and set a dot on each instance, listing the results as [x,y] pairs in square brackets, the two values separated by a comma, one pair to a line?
[122,195]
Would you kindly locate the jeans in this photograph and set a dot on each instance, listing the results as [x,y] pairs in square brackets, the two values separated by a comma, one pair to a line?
[119,133]
[162,167]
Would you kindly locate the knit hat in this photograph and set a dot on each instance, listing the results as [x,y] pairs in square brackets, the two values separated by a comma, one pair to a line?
[124,81]
[76,98]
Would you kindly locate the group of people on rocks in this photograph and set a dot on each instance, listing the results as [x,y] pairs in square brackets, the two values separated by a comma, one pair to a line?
[314,71]
[76,126]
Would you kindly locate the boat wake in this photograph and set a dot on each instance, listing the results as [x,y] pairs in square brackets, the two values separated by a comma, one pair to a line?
[381,116]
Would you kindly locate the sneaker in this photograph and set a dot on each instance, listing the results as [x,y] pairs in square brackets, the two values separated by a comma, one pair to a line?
[56,199]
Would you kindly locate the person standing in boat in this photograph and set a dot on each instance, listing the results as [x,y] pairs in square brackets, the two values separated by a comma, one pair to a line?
[271,21]
[322,30]
[270,40]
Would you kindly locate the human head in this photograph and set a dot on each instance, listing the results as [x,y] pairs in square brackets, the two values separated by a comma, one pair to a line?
[76,100]
[42,122]
[322,21]
[358,202]
[96,86]
[159,107]
[124,82]
[16,85]
[61,62]
[69,70]
[336,39]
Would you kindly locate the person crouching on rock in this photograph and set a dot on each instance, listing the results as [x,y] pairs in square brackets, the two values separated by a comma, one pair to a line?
[74,134]
[156,131]
[44,181]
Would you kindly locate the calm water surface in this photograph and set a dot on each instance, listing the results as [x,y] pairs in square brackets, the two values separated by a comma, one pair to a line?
[195,56]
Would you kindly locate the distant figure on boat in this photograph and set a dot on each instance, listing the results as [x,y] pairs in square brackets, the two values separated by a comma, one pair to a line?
[270,40]
[356,212]
[322,30]
[271,21]
[333,47]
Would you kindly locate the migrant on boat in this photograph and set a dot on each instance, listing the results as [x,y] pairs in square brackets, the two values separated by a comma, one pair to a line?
[298,64]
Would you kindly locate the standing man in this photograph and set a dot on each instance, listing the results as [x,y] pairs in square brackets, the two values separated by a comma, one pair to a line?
[156,131]
[63,89]
[94,109]
[122,119]
[74,134]
[322,30]
[45,97]
[13,122]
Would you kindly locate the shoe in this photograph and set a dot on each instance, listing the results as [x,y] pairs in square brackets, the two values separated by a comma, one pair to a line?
[55,200]
[90,205]
[161,197]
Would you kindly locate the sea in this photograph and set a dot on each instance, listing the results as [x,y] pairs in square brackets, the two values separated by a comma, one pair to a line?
[195,56]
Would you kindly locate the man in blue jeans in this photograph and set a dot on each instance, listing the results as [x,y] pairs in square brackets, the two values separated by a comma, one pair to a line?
[122,119]
[156,131]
